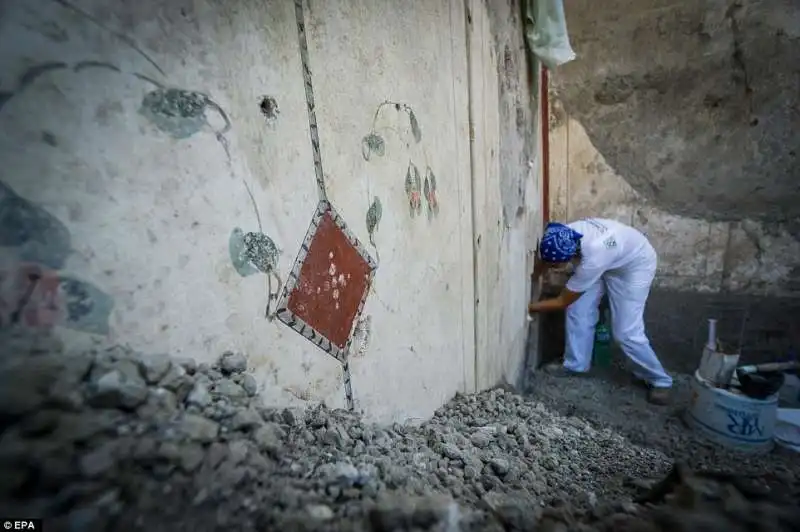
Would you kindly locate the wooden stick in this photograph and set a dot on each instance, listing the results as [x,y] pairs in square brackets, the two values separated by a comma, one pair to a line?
[770,367]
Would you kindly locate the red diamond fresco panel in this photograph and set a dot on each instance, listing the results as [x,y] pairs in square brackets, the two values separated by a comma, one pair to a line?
[331,285]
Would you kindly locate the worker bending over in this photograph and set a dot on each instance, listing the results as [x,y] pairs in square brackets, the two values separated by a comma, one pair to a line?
[608,257]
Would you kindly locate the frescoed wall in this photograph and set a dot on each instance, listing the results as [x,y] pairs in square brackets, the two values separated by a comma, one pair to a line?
[291,180]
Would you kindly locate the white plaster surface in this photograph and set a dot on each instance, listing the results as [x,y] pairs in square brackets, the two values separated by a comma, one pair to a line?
[150,215]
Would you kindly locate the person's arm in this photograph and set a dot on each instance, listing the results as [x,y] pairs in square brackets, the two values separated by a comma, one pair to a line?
[586,275]
[564,299]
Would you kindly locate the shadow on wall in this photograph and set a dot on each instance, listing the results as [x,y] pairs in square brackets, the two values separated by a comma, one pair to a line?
[33,292]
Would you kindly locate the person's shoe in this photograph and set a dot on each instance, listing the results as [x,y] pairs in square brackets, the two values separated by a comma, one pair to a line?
[558,370]
[658,396]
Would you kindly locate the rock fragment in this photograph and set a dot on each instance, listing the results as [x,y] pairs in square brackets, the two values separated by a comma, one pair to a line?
[233,363]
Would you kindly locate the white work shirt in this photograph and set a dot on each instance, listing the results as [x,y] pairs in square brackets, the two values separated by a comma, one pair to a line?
[609,247]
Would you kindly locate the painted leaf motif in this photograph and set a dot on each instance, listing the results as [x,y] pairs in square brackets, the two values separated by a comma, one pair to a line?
[178,112]
[430,192]
[176,102]
[373,143]
[374,214]
[365,149]
[417,189]
[409,185]
[261,251]
[415,130]
[376,144]
[417,178]
[88,307]
[38,236]
[238,256]
[432,177]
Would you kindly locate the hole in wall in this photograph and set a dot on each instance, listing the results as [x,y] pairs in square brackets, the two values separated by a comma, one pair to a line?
[269,108]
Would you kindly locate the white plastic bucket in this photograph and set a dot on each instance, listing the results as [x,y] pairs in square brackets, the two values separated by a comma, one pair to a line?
[731,418]
[789,393]
[787,430]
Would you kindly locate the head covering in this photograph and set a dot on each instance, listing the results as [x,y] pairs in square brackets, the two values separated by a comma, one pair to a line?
[559,243]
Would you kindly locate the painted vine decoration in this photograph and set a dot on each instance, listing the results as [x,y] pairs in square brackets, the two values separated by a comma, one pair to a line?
[373,143]
[416,186]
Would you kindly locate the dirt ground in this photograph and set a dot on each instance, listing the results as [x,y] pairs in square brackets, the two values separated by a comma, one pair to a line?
[610,398]
[112,439]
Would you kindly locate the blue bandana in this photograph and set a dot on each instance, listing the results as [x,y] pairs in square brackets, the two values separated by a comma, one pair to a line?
[559,243]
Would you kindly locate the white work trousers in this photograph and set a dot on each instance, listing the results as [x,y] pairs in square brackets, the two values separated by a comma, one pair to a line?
[627,295]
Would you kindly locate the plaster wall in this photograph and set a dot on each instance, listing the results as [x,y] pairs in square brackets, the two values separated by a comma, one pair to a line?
[138,138]
[507,193]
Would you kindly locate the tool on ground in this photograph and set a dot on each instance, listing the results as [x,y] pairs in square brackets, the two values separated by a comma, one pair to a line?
[769,367]
[716,366]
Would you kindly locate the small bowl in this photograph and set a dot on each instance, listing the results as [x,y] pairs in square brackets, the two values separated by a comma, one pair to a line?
[759,385]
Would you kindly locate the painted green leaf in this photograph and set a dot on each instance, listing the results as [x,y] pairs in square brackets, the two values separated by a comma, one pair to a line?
[365,150]
[178,112]
[238,256]
[378,145]
[373,143]
[261,251]
[88,308]
[409,182]
[432,177]
[415,130]
[374,214]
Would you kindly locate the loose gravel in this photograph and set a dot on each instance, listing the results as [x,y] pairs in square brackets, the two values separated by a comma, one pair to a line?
[114,440]
[612,400]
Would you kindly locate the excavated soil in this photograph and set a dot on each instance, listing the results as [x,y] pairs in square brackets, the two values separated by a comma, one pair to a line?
[114,440]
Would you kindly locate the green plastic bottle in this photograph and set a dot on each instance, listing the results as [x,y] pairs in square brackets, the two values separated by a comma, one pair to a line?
[602,343]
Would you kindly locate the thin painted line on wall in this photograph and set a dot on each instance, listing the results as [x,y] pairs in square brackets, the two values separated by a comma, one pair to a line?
[488,166]
[315,151]
[121,36]
[312,115]
[476,292]
[454,114]
[348,386]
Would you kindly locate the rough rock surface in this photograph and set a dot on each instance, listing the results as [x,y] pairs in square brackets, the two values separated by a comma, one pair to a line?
[111,440]
[688,99]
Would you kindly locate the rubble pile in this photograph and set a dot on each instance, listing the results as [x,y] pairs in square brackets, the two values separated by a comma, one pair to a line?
[111,439]
[704,500]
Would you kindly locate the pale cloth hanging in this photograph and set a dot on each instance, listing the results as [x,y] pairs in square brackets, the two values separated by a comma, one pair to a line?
[546,32]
